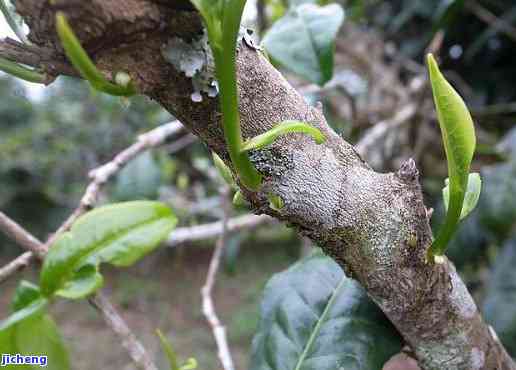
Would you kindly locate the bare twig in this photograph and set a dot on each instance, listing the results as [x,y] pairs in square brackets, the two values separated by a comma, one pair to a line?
[213,230]
[120,328]
[15,265]
[101,175]
[18,234]
[208,308]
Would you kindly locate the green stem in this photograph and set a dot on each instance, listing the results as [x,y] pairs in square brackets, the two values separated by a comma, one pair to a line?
[22,72]
[225,65]
[283,128]
[82,62]
[12,23]
[450,223]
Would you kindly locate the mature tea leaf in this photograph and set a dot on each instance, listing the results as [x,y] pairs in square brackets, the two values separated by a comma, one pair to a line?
[314,317]
[118,234]
[304,39]
[459,140]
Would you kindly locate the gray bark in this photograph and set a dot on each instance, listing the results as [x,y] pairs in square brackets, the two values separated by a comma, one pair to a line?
[374,225]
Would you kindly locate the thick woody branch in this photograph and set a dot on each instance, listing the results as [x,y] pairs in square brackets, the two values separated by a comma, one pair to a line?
[374,225]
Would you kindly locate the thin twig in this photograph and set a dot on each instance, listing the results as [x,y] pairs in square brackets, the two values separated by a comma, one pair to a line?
[15,265]
[370,139]
[114,320]
[177,237]
[208,308]
[19,235]
[101,175]
[120,328]
[215,229]
[488,17]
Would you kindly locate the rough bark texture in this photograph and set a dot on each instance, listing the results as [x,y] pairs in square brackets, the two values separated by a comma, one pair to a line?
[375,225]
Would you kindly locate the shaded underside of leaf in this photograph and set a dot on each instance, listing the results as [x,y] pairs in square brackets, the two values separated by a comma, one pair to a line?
[313,317]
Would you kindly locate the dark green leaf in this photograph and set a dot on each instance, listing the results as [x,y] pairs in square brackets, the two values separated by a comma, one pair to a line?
[304,39]
[118,234]
[314,317]
[500,301]
[471,197]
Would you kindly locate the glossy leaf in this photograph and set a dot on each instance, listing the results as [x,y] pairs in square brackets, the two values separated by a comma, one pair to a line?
[498,307]
[25,294]
[471,197]
[303,41]
[118,234]
[314,317]
[459,140]
[283,128]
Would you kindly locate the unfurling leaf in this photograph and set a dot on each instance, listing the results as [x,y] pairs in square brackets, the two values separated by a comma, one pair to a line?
[471,197]
[458,133]
[119,234]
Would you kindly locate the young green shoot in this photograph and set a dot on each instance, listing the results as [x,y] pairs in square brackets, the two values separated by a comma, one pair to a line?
[222,21]
[458,133]
[82,62]
[22,72]
[283,128]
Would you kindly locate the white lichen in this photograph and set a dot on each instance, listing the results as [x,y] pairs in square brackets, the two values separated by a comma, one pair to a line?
[195,60]
[460,297]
